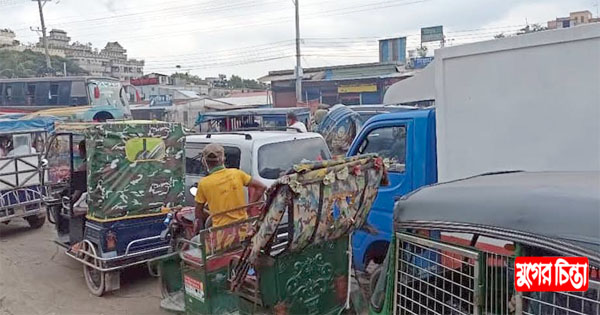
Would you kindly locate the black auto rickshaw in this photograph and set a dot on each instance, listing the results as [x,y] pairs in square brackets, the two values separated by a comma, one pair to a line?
[455,244]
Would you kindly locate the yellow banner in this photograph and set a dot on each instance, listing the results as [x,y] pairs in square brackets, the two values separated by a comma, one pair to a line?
[357,88]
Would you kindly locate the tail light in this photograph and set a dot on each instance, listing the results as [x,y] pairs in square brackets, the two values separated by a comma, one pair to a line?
[111,241]
[96,92]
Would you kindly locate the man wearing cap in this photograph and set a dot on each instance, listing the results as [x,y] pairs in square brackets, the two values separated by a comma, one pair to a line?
[294,123]
[223,190]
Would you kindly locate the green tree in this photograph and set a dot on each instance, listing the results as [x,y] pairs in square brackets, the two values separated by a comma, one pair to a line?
[25,64]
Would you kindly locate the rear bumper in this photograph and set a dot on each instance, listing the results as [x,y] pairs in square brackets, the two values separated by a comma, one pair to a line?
[21,211]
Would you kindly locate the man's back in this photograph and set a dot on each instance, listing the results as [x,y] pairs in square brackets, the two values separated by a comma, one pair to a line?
[223,190]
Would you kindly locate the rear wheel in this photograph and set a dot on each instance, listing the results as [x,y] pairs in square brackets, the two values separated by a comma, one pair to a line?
[35,222]
[93,278]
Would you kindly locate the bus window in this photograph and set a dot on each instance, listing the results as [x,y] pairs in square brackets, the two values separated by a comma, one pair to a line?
[64,93]
[53,96]
[78,93]
[30,96]
[8,94]
[41,93]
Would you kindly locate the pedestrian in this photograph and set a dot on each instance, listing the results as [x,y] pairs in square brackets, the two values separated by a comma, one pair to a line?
[294,123]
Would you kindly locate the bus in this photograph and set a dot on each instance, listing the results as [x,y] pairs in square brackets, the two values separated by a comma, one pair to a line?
[74,98]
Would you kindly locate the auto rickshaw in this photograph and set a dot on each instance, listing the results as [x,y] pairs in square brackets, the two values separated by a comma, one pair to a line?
[21,148]
[294,259]
[455,244]
[131,171]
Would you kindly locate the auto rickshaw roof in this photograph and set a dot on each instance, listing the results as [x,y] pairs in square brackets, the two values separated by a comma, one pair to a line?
[202,117]
[13,123]
[556,205]
[77,127]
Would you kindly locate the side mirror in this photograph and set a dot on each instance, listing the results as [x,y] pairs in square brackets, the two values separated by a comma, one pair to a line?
[44,163]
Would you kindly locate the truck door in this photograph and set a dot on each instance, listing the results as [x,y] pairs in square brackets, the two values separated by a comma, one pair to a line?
[392,141]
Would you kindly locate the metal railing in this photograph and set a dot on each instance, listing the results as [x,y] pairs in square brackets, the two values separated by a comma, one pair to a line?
[435,278]
[563,303]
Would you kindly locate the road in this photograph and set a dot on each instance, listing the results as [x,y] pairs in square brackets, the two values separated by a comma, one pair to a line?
[36,277]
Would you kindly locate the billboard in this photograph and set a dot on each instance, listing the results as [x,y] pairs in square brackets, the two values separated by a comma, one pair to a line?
[357,88]
[392,50]
[432,34]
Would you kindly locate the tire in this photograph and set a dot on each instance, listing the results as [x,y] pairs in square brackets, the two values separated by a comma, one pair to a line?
[36,222]
[94,279]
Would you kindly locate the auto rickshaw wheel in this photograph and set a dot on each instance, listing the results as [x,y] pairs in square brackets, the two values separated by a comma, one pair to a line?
[94,278]
[35,222]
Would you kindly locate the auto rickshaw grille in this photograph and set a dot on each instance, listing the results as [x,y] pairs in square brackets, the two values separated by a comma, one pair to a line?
[564,303]
[435,278]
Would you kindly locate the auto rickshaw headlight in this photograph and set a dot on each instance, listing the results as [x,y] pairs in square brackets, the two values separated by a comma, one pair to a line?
[111,241]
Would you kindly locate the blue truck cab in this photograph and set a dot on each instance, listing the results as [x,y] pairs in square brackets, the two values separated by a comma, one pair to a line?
[407,142]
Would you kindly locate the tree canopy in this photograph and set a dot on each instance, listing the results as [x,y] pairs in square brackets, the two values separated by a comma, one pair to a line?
[26,64]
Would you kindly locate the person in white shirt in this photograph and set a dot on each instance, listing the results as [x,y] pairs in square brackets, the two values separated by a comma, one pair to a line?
[294,123]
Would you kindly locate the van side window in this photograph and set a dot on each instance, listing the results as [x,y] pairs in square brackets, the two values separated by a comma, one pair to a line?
[389,143]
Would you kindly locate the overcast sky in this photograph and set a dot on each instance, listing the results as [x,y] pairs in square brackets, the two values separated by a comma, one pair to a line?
[252,37]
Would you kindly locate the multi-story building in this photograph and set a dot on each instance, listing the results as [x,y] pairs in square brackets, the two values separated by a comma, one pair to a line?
[7,38]
[111,61]
[574,19]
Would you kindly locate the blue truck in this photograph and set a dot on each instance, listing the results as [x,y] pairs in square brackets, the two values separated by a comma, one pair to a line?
[407,142]
[498,107]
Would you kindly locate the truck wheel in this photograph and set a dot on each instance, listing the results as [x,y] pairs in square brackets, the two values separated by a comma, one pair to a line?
[93,278]
[36,222]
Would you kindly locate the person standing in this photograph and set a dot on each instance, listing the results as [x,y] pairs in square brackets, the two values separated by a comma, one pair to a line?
[294,123]
[223,190]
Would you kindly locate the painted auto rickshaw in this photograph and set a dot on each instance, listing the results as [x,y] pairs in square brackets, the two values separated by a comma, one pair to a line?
[21,148]
[131,171]
[455,244]
[294,259]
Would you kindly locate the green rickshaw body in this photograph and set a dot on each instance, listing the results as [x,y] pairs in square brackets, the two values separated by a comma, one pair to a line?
[135,168]
[265,265]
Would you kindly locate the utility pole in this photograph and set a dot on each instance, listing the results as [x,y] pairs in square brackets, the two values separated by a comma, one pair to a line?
[298,56]
[40,6]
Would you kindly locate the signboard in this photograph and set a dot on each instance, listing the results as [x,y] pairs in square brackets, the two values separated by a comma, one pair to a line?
[143,81]
[357,88]
[194,288]
[160,100]
[421,62]
[432,34]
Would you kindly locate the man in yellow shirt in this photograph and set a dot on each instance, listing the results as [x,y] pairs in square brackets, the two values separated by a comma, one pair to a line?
[223,190]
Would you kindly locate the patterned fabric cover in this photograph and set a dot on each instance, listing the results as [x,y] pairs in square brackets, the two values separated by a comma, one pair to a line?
[119,186]
[326,200]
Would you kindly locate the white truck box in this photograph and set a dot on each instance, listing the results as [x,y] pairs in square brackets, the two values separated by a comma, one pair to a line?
[528,102]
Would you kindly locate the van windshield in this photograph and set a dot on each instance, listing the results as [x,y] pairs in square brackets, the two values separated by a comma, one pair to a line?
[275,159]
[108,93]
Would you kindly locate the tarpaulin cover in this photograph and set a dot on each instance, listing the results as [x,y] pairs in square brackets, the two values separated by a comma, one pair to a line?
[324,200]
[15,124]
[134,168]
[339,128]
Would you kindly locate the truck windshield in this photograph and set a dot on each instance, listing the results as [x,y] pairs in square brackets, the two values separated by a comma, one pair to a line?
[274,159]
[389,143]
[108,93]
